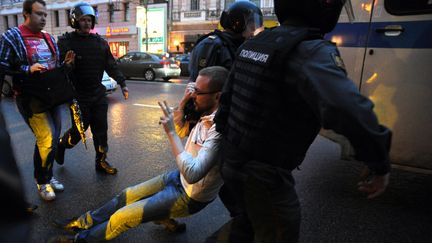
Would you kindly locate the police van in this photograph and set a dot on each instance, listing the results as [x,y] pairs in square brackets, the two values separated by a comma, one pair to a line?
[386,46]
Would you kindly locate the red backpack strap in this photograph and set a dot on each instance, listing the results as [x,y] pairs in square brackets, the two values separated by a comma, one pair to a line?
[47,38]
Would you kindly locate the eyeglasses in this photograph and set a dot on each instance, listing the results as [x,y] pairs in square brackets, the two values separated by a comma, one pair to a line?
[197,92]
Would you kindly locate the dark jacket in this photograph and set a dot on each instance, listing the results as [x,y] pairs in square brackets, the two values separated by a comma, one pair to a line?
[93,57]
[214,49]
[278,97]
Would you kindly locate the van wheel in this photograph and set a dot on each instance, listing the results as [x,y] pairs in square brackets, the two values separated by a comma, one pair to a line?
[7,89]
[149,75]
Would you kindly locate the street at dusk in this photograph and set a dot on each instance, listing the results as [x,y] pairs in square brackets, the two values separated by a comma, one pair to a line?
[306,121]
[333,210]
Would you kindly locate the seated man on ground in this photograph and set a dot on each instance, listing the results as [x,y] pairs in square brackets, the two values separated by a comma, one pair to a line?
[178,193]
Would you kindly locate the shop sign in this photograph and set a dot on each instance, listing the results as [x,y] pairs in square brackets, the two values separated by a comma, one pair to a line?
[110,30]
[154,40]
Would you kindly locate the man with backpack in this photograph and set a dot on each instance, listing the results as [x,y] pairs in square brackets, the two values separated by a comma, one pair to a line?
[26,51]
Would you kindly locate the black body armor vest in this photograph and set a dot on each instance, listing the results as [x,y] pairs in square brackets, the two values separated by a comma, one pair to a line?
[90,61]
[268,120]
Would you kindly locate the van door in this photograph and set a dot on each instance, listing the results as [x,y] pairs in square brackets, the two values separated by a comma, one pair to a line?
[397,76]
[387,49]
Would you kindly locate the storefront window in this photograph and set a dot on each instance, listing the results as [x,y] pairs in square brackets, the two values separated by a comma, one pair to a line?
[119,49]
[126,12]
[16,20]
[411,7]
[67,16]
[56,18]
[6,22]
[111,12]
[97,13]
[257,2]
[194,4]
[228,3]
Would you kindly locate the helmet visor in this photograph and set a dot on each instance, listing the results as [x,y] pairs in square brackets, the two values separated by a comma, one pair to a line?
[84,10]
[255,21]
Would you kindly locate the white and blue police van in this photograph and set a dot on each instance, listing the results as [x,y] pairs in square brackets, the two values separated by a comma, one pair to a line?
[386,46]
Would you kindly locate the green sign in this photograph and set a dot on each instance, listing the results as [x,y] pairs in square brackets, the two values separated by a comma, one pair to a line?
[154,40]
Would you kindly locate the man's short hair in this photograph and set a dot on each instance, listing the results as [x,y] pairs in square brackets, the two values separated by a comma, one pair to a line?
[217,75]
[27,5]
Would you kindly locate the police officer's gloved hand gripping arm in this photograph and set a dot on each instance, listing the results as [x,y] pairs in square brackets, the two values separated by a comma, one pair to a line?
[340,107]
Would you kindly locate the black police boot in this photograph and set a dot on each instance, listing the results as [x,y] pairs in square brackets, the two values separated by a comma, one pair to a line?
[62,145]
[30,207]
[172,225]
[105,167]
[102,165]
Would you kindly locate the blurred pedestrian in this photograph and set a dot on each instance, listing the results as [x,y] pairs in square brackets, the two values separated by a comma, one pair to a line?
[14,222]
[93,58]
[286,84]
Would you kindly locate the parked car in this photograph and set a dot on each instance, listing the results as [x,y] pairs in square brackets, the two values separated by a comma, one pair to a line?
[148,65]
[183,62]
[109,83]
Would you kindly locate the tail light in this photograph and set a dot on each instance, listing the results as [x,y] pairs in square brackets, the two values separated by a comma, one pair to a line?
[164,61]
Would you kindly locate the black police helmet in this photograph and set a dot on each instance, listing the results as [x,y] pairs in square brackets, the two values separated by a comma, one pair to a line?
[239,15]
[321,14]
[79,10]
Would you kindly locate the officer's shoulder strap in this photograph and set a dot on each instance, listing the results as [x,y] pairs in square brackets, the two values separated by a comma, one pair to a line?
[285,38]
[214,37]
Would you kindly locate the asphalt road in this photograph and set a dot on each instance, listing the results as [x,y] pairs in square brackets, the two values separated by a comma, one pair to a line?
[333,211]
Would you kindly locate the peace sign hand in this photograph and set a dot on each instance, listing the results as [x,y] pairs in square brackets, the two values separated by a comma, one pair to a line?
[168,119]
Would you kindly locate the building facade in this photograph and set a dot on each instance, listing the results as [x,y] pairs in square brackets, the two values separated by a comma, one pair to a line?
[116,20]
[193,18]
[138,25]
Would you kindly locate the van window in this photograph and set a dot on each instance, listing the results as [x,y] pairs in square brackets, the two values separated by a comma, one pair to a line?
[408,7]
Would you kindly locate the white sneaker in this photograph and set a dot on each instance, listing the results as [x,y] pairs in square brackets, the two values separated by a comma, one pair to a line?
[46,192]
[56,185]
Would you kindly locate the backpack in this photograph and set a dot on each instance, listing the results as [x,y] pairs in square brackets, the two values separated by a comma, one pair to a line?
[210,50]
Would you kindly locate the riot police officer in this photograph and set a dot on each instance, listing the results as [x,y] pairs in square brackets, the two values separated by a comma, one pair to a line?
[286,84]
[93,57]
[240,21]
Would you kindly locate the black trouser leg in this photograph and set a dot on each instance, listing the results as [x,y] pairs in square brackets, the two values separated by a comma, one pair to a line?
[99,128]
[99,125]
[266,197]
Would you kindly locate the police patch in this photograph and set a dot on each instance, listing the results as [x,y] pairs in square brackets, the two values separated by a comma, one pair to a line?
[202,62]
[255,56]
[337,59]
